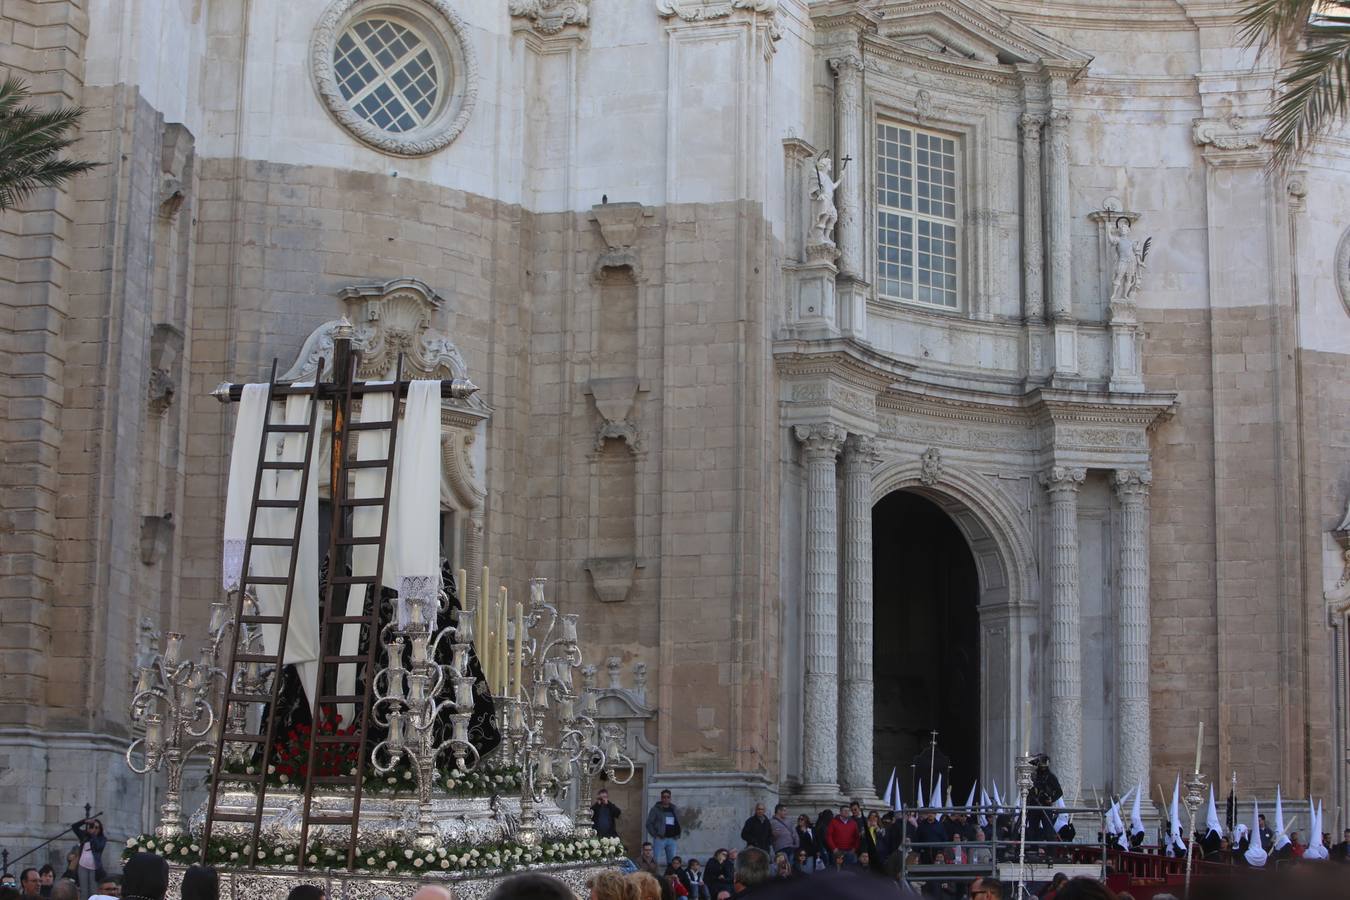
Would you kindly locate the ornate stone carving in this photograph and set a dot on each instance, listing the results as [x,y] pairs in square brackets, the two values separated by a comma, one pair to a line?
[923,104]
[1033,277]
[614,400]
[821,444]
[855,745]
[701,10]
[454,113]
[552,16]
[1231,132]
[824,212]
[1057,183]
[620,224]
[1131,257]
[1132,725]
[930,466]
[851,236]
[156,534]
[612,578]
[1066,697]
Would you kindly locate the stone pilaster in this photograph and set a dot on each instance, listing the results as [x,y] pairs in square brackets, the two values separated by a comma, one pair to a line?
[1066,689]
[849,234]
[1057,184]
[1033,250]
[821,444]
[855,735]
[1132,720]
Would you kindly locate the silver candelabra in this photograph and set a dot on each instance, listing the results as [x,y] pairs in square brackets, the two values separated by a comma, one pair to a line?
[408,701]
[1026,773]
[1195,786]
[576,742]
[173,701]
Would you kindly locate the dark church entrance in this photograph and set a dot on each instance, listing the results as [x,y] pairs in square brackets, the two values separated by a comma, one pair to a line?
[926,646]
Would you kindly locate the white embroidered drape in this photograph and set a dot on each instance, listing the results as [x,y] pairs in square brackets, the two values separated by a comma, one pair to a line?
[412,546]
[302,637]
[243,466]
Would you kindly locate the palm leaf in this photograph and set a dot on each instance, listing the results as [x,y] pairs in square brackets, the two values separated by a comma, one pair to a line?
[31,143]
[1316,95]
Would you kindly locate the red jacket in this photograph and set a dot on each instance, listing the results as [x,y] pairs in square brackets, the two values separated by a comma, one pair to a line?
[842,835]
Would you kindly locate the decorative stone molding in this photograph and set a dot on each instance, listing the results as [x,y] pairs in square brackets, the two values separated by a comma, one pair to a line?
[1057,210]
[1232,132]
[166,352]
[965,30]
[702,10]
[1033,252]
[444,25]
[156,535]
[548,17]
[930,467]
[612,577]
[614,400]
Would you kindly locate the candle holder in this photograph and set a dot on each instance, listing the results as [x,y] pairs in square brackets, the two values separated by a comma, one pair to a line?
[1025,770]
[579,745]
[173,700]
[1194,796]
[409,700]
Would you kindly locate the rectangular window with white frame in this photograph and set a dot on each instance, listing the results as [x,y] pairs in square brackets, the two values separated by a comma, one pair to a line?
[918,251]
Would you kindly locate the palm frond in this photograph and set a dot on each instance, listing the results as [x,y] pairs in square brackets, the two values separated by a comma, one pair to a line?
[1316,94]
[1265,21]
[31,143]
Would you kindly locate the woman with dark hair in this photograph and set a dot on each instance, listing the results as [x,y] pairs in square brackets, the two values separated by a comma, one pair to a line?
[201,883]
[806,838]
[822,825]
[89,868]
[145,876]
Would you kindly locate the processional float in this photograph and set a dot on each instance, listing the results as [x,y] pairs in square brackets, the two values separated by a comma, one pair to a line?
[416,734]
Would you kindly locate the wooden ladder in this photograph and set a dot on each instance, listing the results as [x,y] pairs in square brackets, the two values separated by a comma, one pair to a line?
[246,615]
[333,612]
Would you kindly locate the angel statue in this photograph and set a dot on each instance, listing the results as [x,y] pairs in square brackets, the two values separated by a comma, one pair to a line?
[826,214]
[1130,257]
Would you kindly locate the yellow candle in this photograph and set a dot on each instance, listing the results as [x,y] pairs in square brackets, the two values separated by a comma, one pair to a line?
[501,645]
[520,644]
[1199,742]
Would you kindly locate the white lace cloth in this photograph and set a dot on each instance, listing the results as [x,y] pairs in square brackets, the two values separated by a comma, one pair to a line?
[302,635]
[412,554]
[243,466]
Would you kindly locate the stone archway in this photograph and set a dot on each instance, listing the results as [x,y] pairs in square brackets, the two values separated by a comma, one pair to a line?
[926,645]
[999,545]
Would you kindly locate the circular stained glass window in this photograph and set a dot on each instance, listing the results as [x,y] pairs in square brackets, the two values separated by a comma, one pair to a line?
[398,73]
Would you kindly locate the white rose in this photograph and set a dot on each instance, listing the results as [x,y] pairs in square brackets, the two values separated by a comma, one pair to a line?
[262,854]
[390,865]
[233,855]
[464,860]
[391,780]
[250,770]
[285,778]
[440,851]
[370,860]
[271,770]
[407,854]
[417,863]
[313,859]
[407,776]
[445,864]
[380,854]
[195,848]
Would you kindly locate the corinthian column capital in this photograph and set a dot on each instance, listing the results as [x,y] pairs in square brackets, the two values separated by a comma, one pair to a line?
[1031,125]
[820,439]
[849,63]
[1131,483]
[862,448]
[1063,478]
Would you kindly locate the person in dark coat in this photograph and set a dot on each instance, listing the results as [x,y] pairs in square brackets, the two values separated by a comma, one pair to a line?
[872,839]
[757,832]
[807,837]
[605,815]
[822,826]
[720,873]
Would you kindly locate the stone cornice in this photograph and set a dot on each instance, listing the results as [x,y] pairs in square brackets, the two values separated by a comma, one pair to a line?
[983,22]
[880,50]
[853,363]
[1146,410]
[843,14]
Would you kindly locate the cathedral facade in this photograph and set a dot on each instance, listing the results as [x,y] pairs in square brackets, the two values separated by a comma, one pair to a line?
[858,370]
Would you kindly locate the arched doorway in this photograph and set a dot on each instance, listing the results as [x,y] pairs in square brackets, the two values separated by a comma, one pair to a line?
[926,642]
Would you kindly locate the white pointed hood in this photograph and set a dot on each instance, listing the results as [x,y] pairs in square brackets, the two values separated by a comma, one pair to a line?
[970,798]
[1212,823]
[889,796]
[1316,849]
[1281,836]
[984,805]
[936,801]
[1255,855]
[1136,816]
[1174,835]
[1063,818]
